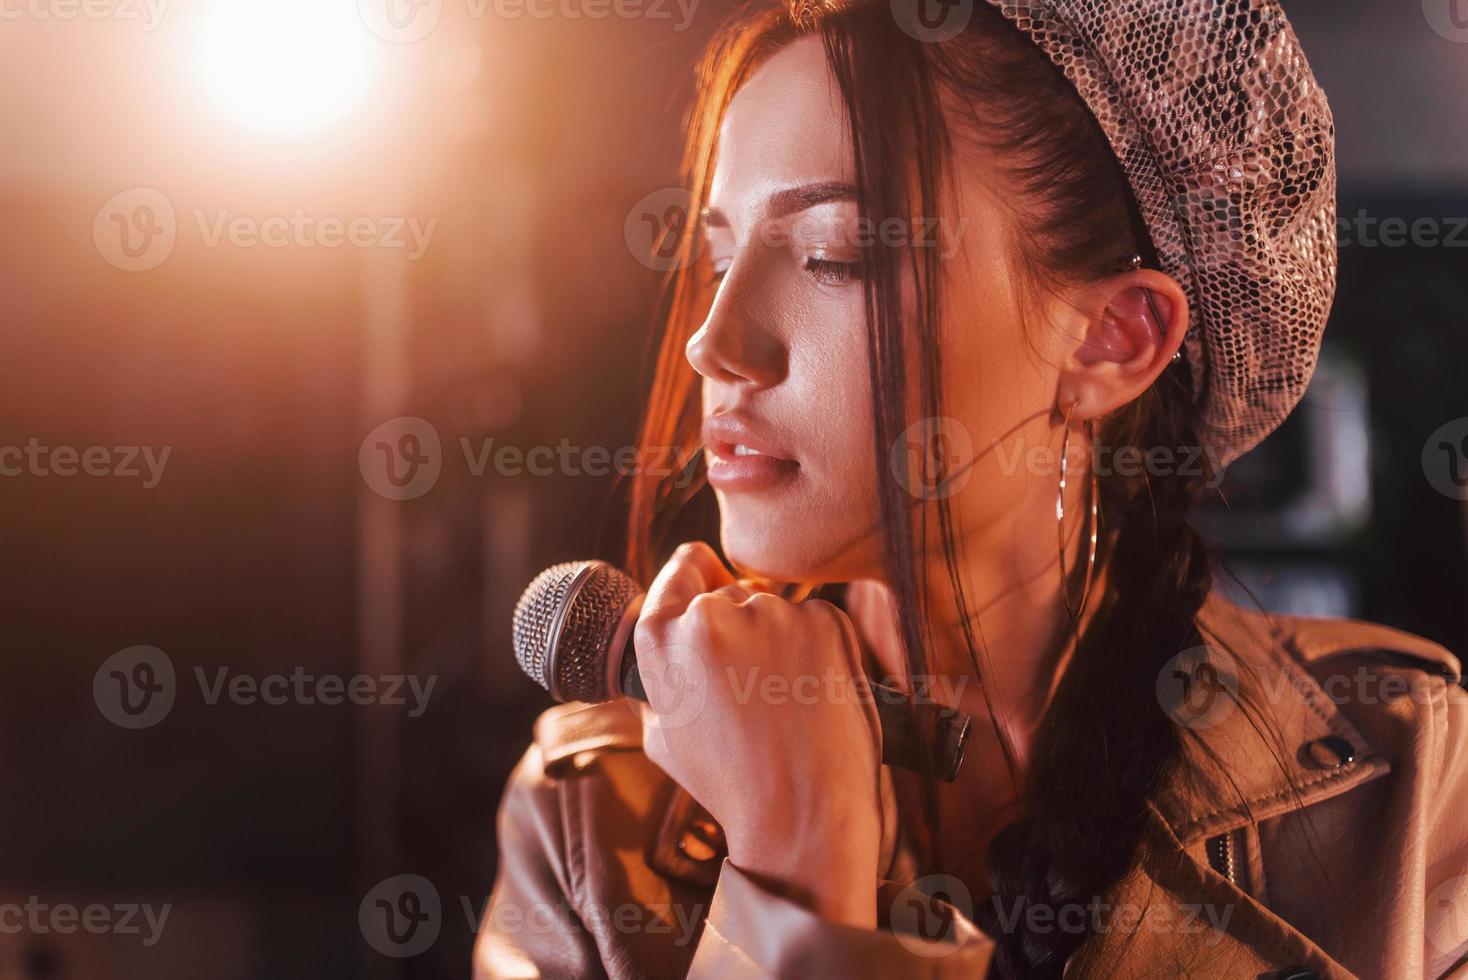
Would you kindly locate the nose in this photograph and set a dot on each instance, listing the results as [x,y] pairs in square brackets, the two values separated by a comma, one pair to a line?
[732,346]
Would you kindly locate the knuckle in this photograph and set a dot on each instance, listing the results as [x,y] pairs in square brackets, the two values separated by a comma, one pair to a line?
[646,635]
[837,622]
[733,591]
[705,601]
[821,610]
[690,550]
[655,609]
[705,607]
[762,601]
[649,627]
[651,640]
[834,613]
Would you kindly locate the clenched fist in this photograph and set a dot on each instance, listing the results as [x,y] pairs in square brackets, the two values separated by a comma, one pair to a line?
[754,709]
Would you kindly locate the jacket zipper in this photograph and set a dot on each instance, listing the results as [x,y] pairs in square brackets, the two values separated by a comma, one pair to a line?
[1221,855]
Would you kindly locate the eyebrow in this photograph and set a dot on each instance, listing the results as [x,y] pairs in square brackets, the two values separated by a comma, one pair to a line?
[788,201]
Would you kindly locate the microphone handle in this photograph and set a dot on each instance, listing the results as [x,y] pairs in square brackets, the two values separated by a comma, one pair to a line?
[901,746]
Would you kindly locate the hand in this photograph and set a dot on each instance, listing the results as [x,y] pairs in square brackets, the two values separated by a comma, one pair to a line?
[755,709]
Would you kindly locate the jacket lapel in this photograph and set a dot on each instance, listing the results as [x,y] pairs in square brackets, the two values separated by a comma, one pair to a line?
[1280,745]
[1173,917]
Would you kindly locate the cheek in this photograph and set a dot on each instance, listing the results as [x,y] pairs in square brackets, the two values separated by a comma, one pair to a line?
[997,379]
[841,509]
[824,526]
[1000,389]
[829,379]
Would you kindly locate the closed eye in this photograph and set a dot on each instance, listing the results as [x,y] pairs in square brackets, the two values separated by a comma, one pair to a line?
[831,272]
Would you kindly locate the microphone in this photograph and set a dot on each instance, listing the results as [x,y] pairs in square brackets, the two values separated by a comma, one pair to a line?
[572,635]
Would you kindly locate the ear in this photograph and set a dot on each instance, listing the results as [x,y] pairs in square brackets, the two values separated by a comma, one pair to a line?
[1124,342]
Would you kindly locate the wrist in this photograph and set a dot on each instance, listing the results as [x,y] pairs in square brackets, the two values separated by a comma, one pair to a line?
[833,873]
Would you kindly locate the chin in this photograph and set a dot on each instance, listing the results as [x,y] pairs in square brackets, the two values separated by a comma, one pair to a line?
[794,548]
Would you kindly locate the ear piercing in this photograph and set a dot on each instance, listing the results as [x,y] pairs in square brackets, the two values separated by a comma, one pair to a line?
[1134,261]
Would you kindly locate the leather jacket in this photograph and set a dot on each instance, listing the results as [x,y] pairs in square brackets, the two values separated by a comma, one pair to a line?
[1355,861]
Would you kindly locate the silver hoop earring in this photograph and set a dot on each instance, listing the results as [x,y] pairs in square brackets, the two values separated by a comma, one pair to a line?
[1075,613]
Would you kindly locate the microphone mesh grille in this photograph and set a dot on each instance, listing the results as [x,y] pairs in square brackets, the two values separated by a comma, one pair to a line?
[535,615]
[588,599]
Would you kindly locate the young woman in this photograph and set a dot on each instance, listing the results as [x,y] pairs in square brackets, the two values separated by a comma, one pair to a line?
[975,311]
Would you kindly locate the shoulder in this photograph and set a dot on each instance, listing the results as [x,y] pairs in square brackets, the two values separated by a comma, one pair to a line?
[580,890]
[571,736]
[1317,641]
[1375,749]
[584,787]
[1397,697]
[1324,645]
[579,753]
[1404,691]
[1317,707]
[569,739]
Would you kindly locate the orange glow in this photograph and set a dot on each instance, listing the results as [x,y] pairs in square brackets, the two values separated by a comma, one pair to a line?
[285,66]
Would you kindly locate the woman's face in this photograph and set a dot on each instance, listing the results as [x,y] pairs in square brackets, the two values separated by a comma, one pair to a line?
[783,352]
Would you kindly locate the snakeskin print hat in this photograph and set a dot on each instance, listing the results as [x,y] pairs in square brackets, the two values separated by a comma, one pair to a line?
[1229,147]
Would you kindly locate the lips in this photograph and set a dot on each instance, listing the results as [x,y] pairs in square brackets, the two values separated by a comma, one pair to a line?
[742,456]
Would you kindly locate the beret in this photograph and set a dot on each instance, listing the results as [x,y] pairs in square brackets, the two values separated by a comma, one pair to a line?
[1229,147]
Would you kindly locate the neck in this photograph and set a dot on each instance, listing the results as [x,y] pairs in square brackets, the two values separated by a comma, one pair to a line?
[1012,616]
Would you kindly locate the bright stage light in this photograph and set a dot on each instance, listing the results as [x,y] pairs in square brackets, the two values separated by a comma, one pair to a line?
[285,66]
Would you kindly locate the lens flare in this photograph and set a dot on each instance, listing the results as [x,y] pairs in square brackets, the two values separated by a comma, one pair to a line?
[285,66]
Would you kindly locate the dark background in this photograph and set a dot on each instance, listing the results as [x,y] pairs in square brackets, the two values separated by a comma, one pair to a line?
[263,548]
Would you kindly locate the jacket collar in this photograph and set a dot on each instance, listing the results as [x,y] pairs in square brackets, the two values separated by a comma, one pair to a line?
[1252,758]
[1282,745]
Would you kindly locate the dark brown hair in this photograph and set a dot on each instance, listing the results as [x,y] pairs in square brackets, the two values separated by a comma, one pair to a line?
[1105,743]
